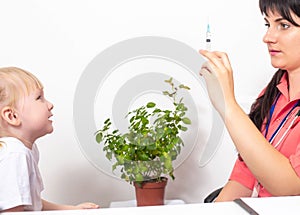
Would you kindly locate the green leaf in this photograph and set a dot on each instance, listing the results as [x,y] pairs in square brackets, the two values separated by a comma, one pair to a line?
[182,128]
[99,137]
[139,177]
[184,87]
[107,121]
[166,93]
[143,156]
[115,131]
[151,105]
[186,121]
[109,155]
[151,147]
[169,81]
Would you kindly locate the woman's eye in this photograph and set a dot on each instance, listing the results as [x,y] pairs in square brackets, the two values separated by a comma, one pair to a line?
[267,25]
[284,26]
[39,97]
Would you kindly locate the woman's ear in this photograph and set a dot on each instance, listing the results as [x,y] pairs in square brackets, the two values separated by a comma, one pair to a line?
[10,116]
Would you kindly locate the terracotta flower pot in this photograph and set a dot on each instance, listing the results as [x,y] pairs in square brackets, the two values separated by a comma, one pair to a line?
[150,193]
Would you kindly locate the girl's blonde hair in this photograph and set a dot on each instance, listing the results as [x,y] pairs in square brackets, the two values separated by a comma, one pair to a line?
[16,83]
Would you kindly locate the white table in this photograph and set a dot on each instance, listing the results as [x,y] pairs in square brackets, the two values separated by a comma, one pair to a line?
[132,203]
[275,205]
[216,208]
[264,206]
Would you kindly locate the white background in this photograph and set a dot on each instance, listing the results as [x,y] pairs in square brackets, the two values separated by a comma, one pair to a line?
[56,40]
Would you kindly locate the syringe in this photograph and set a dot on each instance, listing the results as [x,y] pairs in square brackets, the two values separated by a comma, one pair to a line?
[208,38]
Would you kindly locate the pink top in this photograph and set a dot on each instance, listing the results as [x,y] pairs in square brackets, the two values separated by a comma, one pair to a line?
[290,145]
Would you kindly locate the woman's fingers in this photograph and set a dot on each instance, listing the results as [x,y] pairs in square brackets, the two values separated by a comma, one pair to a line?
[223,62]
[206,69]
[217,59]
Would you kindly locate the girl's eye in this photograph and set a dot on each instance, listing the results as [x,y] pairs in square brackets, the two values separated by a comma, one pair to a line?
[267,25]
[39,97]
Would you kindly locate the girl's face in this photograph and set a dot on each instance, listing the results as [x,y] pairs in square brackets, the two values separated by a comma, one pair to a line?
[34,113]
[283,40]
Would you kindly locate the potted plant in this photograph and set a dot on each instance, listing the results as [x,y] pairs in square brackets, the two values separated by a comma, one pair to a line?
[145,153]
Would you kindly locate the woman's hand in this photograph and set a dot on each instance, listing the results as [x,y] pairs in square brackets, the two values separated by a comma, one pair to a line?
[217,73]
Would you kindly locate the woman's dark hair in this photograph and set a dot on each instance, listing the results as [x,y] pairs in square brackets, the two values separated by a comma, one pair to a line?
[261,107]
[283,7]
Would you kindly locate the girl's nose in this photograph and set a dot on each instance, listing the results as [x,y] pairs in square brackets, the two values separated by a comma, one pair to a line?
[50,105]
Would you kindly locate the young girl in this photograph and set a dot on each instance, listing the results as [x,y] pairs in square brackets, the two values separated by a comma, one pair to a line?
[268,139]
[24,117]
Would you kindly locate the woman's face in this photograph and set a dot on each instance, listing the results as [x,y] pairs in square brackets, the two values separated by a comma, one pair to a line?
[283,40]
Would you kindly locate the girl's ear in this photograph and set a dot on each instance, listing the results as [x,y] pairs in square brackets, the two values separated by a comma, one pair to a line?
[10,116]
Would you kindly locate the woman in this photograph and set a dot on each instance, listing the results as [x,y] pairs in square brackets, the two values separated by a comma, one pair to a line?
[268,139]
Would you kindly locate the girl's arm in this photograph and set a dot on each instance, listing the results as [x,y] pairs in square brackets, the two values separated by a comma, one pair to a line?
[272,169]
[53,206]
[15,209]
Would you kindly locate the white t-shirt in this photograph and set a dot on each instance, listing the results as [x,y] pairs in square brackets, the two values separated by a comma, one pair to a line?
[20,179]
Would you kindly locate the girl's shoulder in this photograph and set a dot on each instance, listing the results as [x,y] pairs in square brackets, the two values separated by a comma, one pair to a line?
[10,145]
